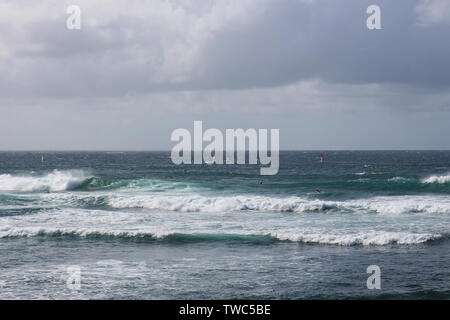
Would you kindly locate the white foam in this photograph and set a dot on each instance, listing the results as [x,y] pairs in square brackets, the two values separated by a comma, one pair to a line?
[81,232]
[54,181]
[363,238]
[437,179]
[197,203]
[303,236]
[402,204]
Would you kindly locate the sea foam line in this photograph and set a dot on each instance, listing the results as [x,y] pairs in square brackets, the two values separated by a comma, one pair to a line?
[198,203]
[379,238]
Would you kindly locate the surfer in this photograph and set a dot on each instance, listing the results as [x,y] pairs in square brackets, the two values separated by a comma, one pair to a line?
[321,158]
[42,158]
[318,191]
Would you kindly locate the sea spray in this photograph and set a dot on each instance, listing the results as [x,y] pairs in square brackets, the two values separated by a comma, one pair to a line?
[53,181]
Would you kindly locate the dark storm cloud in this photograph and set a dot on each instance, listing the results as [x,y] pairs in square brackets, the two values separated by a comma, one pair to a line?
[329,40]
[139,68]
[267,44]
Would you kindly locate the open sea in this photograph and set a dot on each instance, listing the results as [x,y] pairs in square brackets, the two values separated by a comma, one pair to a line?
[135,226]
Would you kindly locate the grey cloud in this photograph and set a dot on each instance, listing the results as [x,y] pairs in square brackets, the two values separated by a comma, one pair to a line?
[431,12]
[330,41]
[257,44]
[139,69]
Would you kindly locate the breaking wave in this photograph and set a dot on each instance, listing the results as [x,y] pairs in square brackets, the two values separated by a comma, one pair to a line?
[54,181]
[437,179]
[69,180]
[198,203]
[373,238]
[78,180]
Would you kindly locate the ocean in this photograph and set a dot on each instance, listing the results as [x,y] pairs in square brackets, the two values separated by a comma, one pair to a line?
[135,226]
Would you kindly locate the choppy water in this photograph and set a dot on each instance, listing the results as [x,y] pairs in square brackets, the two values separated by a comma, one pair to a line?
[140,227]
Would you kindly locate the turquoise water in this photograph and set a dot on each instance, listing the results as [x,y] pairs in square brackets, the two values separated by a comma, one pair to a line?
[139,227]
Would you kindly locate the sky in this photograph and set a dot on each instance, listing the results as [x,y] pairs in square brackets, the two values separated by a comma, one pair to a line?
[138,69]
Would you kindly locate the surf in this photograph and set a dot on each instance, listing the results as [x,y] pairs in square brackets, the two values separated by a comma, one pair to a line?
[199,203]
[443,179]
[374,238]
[53,181]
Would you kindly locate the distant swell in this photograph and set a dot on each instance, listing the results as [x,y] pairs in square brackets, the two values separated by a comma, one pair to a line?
[374,238]
[67,180]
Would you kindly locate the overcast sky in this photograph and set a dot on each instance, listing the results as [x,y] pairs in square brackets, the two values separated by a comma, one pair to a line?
[138,69]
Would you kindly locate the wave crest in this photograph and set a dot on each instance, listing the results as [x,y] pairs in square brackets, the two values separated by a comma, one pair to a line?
[198,203]
[54,181]
[437,179]
[377,238]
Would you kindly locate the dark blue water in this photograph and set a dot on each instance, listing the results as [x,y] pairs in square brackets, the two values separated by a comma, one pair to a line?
[139,227]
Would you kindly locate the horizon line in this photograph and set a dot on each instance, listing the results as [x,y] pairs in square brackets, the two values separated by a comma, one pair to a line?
[169,150]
